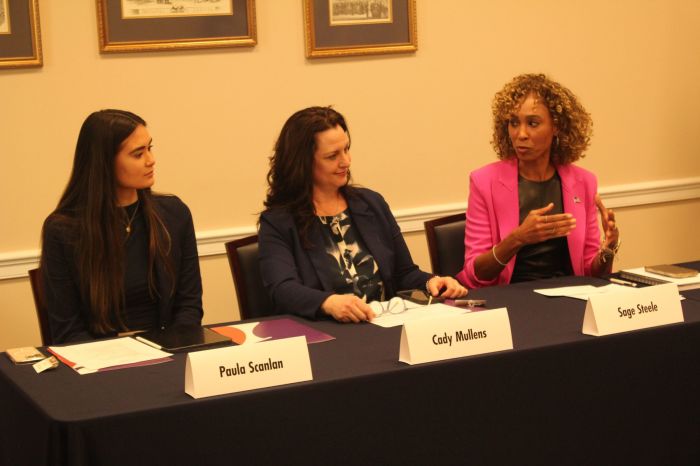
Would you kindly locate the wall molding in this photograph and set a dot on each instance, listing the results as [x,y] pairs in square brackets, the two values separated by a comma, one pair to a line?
[15,264]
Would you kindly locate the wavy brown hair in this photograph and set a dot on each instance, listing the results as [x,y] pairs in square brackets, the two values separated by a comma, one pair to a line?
[290,178]
[573,122]
[88,217]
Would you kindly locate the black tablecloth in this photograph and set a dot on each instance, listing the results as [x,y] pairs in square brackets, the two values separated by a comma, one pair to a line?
[560,397]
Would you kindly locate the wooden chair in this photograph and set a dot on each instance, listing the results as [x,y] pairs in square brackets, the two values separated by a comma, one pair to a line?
[253,300]
[42,311]
[445,237]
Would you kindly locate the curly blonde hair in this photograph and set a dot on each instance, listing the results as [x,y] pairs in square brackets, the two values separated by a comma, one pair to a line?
[573,122]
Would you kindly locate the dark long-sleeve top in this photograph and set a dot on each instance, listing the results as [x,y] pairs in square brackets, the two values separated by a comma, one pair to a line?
[69,314]
[290,272]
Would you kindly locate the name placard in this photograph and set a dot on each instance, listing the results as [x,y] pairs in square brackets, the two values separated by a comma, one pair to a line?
[455,336]
[633,309]
[247,367]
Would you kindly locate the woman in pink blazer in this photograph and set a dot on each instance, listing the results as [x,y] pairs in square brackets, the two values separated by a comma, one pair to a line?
[533,214]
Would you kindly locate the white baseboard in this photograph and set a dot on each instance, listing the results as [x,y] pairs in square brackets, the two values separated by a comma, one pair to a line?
[15,264]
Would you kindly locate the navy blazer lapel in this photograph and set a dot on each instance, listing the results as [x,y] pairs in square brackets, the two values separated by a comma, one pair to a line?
[366,222]
[317,255]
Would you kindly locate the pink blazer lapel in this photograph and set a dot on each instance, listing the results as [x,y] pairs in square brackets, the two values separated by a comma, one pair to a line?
[504,189]
[573,193]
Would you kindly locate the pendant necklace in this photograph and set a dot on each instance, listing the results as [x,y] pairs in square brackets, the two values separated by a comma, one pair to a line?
[336,206]
[128,225]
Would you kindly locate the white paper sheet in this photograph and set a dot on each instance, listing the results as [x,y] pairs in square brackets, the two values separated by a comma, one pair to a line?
[416,312]
[94,356]
[581,292]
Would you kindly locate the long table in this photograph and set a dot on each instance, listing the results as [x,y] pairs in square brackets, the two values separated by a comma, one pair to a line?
[560,397]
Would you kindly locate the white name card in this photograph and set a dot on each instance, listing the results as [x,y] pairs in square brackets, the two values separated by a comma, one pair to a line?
[455,336]
[247,367]
[632,309]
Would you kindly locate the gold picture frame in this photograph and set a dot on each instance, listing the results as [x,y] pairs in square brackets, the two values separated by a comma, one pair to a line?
[337,28]
[161,25]
[20,34]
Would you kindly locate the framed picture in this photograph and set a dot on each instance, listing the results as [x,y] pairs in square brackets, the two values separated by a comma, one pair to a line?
[20,36]
[336,28]
[154,25]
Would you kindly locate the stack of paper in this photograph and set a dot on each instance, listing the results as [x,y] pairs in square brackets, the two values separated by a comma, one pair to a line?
[104,355]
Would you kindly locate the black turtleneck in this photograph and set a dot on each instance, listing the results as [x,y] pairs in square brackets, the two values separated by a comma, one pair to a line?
[140,307]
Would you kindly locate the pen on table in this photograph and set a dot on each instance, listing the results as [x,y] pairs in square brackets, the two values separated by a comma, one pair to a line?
[470,302]
[623,282]
[430,299]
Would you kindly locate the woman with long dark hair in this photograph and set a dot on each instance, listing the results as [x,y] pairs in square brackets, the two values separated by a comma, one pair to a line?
[328,248]
[115,256]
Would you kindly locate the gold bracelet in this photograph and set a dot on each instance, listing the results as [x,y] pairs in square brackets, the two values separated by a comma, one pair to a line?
[493,251]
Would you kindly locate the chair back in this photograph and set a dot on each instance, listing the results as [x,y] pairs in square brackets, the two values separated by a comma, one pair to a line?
[253,300]
[42,311]
[445,237]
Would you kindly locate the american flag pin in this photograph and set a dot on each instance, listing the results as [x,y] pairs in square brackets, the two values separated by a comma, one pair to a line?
[577,200]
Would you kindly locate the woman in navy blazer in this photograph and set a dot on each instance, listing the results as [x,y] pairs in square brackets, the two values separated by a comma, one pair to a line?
[533,214]
[328,248]
[116,257]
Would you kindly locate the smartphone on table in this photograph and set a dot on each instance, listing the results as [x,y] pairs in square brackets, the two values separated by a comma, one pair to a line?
[419,297]
[422,297]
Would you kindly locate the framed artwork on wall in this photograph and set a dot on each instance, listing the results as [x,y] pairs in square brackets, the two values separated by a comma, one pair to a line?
[336,28]
[155,25]
[20,35]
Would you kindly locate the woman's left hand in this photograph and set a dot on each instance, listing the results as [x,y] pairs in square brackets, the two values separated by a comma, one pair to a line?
[607,218]
[452,288]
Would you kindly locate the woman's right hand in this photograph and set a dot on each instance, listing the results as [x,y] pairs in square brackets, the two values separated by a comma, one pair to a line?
[347,308]
[538,226]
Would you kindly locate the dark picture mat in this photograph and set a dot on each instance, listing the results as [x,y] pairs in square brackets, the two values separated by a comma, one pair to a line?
[18,44]
[174,29]
[395,33]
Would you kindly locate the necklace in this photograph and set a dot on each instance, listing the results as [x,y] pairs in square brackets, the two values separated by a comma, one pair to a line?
[324,210]
[130,220]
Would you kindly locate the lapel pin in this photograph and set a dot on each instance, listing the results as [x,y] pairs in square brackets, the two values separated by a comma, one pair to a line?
[577,200]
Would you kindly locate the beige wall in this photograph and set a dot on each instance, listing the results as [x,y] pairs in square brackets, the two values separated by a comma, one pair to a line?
[417,120]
